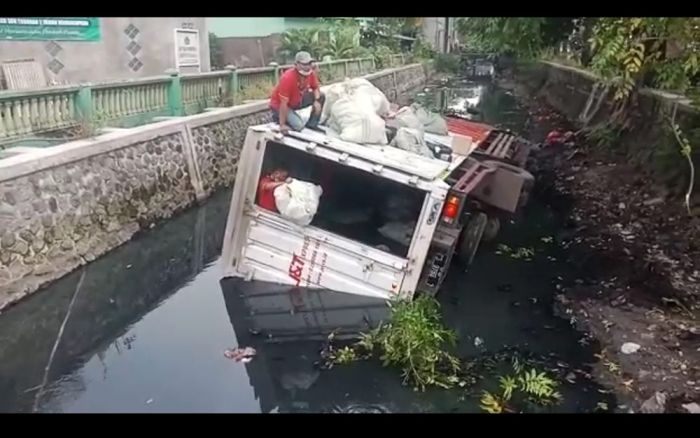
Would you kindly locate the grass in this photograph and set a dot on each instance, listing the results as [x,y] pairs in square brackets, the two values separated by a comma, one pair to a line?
[414,341]
[254,91]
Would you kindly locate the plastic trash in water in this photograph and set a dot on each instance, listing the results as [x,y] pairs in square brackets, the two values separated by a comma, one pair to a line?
[244,355]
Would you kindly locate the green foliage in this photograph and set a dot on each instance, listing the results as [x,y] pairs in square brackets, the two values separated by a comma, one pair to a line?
[522,388]
[521,36]
[519,253]
[381,30]
[255,91]
[447,63]
[215,52]
[382,55]
[421,51]
[634,51]
[604,136]
[337,39]
[297,40]
[344,355]
[415,341]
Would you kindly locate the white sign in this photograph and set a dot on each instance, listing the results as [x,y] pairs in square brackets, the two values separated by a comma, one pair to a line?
[187,48]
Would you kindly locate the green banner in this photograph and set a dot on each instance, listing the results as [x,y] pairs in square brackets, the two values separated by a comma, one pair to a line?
[50,28]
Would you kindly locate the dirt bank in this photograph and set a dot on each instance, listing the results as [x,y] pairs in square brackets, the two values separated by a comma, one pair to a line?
[637,253]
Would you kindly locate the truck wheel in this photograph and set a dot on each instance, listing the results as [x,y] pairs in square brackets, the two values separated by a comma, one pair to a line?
[493,226]
[471,236]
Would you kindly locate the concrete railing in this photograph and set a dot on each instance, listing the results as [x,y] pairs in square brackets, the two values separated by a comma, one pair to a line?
[136,102]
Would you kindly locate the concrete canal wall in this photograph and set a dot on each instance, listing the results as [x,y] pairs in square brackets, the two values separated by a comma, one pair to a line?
[64,206]
[647,142]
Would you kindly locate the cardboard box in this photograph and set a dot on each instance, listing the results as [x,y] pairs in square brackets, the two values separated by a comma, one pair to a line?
[461,144]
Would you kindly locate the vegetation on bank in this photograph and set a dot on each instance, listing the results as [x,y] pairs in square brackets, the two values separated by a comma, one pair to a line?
[416,342]
[626,53]
[347,38]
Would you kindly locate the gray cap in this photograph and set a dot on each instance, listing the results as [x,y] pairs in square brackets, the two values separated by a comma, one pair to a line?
[303,58]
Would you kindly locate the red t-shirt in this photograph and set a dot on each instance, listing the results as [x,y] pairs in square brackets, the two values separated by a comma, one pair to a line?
[266,196]
[293,85]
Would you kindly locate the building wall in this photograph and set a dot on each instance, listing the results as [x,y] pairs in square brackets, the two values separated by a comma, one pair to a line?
[225,27]
[434,32]
[108,58]
[250,51]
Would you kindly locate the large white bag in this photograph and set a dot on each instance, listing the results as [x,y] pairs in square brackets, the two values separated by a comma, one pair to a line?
[431,121]
[411,140]
[380,103]
[406,118]
[298,201]
[355,120]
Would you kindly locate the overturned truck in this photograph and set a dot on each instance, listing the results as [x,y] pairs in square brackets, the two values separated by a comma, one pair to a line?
[388,222]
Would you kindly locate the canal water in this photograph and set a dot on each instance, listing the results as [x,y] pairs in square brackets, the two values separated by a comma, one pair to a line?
[144,328]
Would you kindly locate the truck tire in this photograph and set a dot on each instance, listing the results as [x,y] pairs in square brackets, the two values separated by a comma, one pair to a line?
[471,237]
[493,226]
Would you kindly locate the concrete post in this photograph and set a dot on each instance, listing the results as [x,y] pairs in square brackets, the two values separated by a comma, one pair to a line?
[175,93]
[233,83]
[84,103]
[276,66]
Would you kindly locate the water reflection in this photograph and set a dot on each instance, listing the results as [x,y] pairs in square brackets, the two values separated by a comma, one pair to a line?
[109,295]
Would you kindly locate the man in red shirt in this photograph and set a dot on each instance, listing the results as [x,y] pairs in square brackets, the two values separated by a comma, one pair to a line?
[298,88]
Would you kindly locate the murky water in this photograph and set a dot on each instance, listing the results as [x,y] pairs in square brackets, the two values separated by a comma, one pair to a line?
[147,324]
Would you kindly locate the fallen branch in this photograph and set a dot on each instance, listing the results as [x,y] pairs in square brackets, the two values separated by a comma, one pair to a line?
[39,393]
[686,152]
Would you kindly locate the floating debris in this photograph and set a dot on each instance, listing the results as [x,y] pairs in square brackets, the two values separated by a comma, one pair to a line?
[244,355]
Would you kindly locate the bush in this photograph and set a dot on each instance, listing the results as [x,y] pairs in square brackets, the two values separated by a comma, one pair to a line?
[416,341]
[447,63]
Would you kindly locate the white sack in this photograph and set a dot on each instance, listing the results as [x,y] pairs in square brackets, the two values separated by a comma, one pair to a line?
[380,103]
[355,120]
[411,140]
[298,201]
[406,118]
[431,122]
[353,109]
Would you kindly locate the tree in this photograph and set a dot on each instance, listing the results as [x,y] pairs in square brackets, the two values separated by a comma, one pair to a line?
[521,36]
[636,51]
[216,55]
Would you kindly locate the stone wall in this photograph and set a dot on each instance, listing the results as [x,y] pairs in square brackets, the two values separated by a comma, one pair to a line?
[647,142]
[64,206]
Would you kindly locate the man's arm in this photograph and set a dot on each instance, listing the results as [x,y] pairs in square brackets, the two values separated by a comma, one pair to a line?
[286,88]
[316,85]
[284,110]
[271,185]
